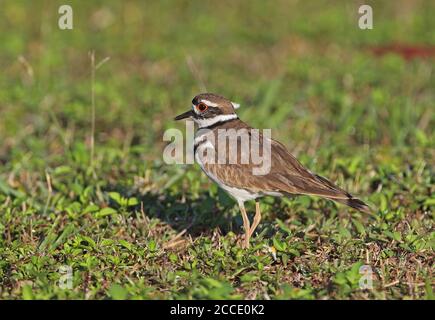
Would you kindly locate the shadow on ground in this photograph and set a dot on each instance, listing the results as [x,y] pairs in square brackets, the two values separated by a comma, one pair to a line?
[203,213]
[197,215]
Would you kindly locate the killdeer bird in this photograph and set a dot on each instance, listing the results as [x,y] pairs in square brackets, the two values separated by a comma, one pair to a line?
[286,176]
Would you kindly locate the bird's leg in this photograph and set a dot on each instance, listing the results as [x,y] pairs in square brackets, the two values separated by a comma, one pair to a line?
[257,218]
[246,225]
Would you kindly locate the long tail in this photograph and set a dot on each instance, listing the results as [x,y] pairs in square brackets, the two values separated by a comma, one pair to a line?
[354,203]
[348,199]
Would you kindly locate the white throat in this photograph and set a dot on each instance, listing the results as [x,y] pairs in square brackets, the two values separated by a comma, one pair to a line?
[203,123]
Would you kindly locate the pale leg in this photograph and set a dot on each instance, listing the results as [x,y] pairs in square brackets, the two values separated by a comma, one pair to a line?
[246,225]
[257,218]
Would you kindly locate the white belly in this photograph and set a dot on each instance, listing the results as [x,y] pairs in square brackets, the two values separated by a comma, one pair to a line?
[241,195]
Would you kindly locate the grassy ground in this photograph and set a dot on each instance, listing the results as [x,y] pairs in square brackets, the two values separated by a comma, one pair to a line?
[131,226]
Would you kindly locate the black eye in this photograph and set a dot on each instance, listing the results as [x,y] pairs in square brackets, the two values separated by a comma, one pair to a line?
[201,107]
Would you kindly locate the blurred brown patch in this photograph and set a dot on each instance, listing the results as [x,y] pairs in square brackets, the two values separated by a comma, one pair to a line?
[408,52]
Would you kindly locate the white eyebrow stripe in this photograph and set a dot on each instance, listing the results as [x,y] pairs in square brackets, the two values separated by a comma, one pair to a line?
[209,103]
[235,105]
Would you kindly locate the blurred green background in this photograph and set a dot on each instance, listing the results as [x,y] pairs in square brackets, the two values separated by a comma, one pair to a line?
[302,68]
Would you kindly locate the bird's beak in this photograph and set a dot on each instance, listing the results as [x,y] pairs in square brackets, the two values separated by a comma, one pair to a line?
[185,115]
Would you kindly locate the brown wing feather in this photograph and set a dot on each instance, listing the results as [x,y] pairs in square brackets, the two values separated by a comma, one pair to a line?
[287,175]
[299,178]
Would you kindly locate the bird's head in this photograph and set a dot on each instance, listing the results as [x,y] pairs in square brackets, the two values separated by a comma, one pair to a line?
[209,109]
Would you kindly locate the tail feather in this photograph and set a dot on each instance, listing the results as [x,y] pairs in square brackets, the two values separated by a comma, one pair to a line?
[348,199]
[355,203]
[317,185]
